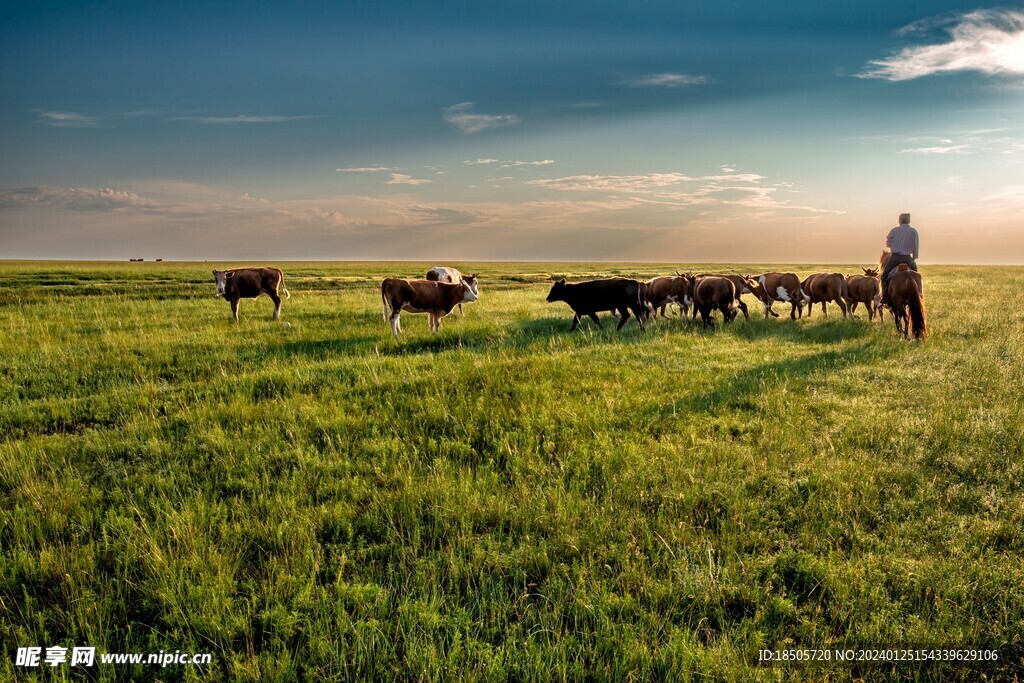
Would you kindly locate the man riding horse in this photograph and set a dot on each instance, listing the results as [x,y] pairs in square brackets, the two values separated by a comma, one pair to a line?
[904,245]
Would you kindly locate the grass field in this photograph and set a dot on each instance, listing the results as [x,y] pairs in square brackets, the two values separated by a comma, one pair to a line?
[503,501]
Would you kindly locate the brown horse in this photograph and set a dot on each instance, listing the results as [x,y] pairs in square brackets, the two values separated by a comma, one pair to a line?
[906,300]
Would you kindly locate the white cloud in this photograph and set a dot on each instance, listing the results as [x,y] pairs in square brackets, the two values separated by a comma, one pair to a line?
[366,169]
[542,162]
[941,149]
[612,183]
[75,199]
[475,162]
[677,191]
[403,179]
[68,119]
[986,41]
[664,80]
[241,118]
[461,116]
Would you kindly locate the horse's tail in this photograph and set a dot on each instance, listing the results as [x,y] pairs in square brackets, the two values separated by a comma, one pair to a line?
[918,319]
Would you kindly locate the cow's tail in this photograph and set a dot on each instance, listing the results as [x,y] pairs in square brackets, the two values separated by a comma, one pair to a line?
[384,302]
[287,294]
[918,318]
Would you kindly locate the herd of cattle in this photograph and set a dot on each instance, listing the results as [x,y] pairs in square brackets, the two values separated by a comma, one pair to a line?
[445,288]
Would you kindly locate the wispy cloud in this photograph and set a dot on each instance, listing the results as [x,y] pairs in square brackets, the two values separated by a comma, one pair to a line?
[74,199]
[367,169]
[68,119]
[612,183]
[513,164]
[403,179]
[678,190]
[985,41]
[477,162]
[939,149]
[241,118]
[463,117]
[664,80]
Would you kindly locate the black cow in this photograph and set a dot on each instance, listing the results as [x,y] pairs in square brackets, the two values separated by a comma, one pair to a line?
[590,298]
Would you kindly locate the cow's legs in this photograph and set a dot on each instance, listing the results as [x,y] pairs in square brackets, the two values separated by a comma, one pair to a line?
[842,305]
[234,309]
[576,322]
[460,309]
[624,312]
[853,307]
[597,321]
[396,326]
[437,322]
[743,307]
[810,307]
[277,304]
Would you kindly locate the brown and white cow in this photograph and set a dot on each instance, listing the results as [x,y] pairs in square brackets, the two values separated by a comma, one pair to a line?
[772,287]
[742,284]
[820,288]
[436,299]
[453,276]
[249,283]
[710,293]
[668,290]
[865,289]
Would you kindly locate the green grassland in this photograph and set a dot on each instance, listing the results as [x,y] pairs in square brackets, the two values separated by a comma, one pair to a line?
[504,500]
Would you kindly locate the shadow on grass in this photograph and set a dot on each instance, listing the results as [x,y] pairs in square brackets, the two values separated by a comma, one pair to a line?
[538,332]
[741,391]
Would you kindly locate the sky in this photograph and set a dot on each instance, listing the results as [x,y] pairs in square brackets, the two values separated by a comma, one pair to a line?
[736,131]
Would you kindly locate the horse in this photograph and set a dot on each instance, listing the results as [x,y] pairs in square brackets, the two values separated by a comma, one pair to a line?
[905,299]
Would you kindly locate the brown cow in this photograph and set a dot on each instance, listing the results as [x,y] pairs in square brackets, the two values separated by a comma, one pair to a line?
[436,299]
[865,289]
[709,293]
[743,286]
[820,288]
[666,290]
[772,287]
[249,283]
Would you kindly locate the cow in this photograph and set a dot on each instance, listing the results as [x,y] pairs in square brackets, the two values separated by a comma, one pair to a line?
[664,291]
[822,288]
[436,299]
[590,298]
[771,287]
[453,276]
[249,283]
[865,289]
[711,292]
[742,284]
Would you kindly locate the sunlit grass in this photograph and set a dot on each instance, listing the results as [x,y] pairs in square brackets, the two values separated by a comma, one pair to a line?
[504,500]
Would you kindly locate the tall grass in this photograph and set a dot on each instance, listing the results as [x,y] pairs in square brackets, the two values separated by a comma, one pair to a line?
[503,501]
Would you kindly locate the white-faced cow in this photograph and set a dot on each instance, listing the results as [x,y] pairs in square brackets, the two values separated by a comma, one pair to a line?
[820,288]
[668,290]
[590,298]
[772,287]
[865,289]
[454,277]
[249,283]
[436,299]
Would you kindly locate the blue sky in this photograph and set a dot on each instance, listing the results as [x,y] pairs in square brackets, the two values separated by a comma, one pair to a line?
[737,131]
